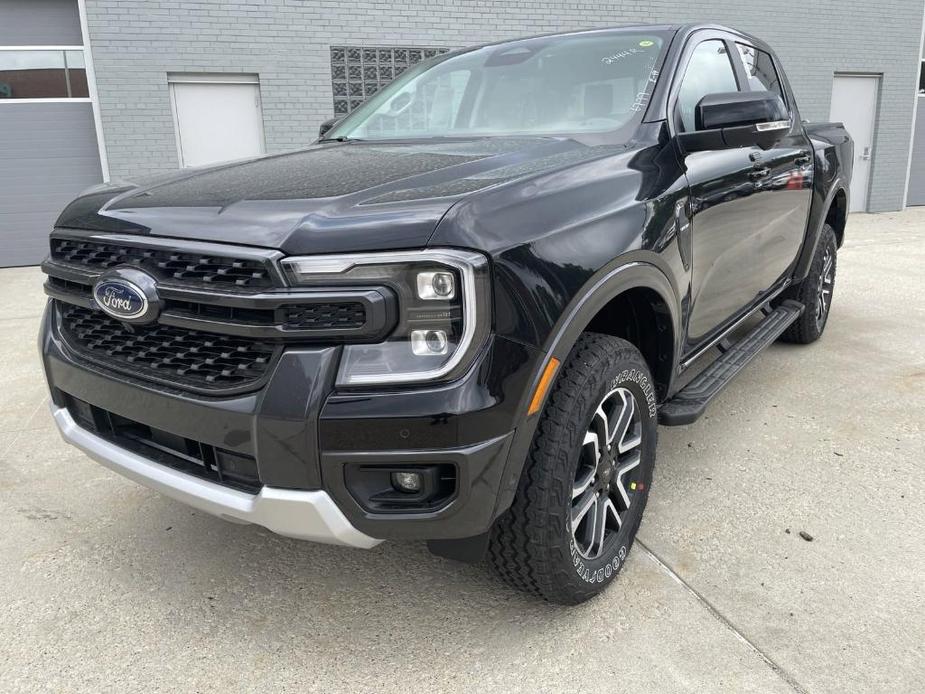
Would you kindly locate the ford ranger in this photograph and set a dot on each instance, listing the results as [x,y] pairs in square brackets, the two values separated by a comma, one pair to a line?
[461,313]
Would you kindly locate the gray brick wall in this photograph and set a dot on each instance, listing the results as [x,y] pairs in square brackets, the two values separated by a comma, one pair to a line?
[135,44]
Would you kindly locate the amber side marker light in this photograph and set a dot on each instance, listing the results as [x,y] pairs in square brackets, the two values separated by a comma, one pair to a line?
[545,381]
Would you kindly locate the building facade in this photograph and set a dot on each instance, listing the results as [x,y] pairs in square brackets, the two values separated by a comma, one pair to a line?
[175,83]
[916,190]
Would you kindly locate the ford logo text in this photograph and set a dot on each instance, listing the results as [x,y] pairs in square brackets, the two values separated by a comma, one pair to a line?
[120,299]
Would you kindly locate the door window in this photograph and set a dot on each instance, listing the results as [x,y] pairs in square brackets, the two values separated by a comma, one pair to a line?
[759,67]
[708,72]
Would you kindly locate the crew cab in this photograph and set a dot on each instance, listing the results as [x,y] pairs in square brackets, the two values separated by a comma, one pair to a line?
[460,315]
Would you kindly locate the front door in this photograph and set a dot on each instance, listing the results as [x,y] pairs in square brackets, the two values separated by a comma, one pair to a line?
[748,206]
[854,103]
[721,213]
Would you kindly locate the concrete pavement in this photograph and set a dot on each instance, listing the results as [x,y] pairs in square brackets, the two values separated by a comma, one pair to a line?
[106,586]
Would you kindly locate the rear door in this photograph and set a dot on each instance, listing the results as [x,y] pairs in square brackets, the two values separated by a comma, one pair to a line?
[784,191]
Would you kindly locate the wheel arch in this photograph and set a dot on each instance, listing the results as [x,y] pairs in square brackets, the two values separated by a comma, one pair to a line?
[836,215]
[627,315]
[635,288]
[833,210]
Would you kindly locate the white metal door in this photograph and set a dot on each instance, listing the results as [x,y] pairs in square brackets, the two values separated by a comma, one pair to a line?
[854,103]
[216,121]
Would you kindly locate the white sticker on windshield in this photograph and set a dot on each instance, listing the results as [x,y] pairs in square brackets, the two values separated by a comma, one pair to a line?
[642,98]
[611,59]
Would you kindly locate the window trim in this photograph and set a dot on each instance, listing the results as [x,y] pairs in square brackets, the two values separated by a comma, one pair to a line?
[213,78]
[51,100]
[41,48]
[92,90]
[777,73]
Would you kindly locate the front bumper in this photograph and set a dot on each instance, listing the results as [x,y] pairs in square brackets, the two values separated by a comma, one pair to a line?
[304,515]
[303,437]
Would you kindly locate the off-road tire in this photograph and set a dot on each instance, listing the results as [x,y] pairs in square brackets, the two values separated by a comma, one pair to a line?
[532,546]
[809,327]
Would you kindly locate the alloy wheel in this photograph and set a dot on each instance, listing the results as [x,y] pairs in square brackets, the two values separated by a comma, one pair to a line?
[826,284]
[605,482]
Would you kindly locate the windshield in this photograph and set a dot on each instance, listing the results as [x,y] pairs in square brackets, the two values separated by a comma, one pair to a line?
[592,82]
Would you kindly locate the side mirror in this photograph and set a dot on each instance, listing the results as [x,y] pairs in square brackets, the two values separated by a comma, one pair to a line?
[400,103]
[327,125]
[737,119]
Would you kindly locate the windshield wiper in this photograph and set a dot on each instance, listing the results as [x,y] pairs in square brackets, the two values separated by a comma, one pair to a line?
[342,138]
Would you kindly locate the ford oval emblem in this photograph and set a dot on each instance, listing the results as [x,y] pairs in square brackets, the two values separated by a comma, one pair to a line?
[120,298]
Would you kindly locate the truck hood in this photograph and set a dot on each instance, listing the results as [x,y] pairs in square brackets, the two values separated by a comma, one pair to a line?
[329,198]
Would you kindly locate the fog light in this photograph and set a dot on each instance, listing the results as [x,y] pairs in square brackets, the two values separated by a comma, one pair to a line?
[436,285]
[408,482]
[428,342]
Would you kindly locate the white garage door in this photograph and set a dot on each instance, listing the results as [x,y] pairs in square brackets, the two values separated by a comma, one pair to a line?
[48,132]
[217,118]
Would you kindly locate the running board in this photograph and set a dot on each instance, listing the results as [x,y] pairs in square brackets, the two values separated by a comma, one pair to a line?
[691,402]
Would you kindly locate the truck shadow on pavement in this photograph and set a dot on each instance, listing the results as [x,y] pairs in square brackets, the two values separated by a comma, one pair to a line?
[243,570]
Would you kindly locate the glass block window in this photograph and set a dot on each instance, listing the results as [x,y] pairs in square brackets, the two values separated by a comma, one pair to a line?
[358,72]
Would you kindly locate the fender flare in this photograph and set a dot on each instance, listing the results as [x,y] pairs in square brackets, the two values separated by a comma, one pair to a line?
[605,286]
[814,228]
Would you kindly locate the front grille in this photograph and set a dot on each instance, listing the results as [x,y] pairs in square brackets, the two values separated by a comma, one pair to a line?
[188,358]
[217,312]
[225,312]
[181,267]
[309,317]
[76,288]
[348,315]
[193,457]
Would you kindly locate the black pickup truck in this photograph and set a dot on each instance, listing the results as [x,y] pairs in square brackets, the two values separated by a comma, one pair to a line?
[460,314]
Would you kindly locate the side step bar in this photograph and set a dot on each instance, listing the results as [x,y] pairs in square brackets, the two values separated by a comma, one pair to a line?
[691,402]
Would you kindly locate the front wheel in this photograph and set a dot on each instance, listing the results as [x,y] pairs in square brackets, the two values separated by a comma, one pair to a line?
[586,481]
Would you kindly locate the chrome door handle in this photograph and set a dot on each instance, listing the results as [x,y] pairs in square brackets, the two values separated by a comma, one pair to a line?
[759,173]
[803,159]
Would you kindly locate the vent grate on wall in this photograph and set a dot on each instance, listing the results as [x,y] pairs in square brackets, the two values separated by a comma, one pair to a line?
[358,72]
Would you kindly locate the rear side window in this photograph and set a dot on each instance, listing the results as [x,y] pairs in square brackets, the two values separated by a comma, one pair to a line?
[708,72]
[759,67]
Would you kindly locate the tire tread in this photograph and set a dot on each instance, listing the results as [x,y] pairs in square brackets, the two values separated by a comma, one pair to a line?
[524,541]
[804,330]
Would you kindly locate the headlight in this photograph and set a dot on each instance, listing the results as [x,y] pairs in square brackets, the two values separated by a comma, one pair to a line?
[444,311]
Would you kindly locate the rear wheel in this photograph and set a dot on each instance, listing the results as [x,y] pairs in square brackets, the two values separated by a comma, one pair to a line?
[815,292]
[586,481]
